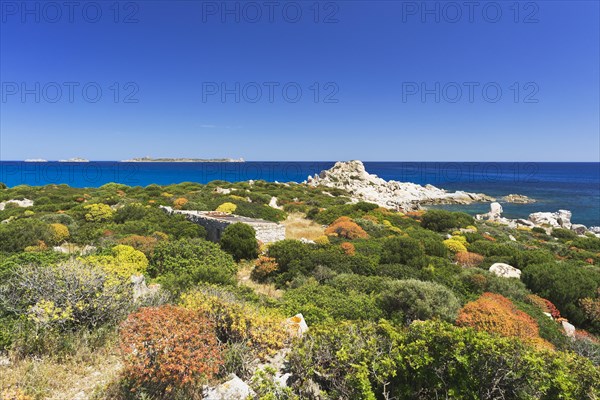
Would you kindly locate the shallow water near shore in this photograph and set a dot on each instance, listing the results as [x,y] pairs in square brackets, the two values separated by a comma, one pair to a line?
[570,186]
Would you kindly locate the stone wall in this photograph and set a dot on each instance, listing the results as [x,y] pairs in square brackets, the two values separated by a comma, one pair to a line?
[266,231]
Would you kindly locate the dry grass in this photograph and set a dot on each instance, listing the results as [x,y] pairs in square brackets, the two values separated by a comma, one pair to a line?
[297,227]
[75,377]
[243,277]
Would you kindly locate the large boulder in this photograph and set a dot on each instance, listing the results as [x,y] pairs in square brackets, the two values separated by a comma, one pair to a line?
[233,389]
[579,229]
[505,270]
[559,219]
[569,328]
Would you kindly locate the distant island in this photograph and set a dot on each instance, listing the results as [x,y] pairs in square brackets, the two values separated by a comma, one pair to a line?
[75,159]
[151,159]
[36,160]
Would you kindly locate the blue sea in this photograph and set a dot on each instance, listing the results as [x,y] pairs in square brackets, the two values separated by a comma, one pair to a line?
[571,186]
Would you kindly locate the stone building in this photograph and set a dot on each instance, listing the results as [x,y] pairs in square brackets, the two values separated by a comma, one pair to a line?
[216,222]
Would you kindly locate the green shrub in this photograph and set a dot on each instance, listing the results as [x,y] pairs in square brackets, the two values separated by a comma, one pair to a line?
[320,303]
[401,250]
[442,220]
[410,300]
[564,234]
[65,296]
[564,285]
[181,264]
[434,360]
[239,240]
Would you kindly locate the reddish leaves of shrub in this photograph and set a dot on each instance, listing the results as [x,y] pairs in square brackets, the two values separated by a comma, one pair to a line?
[468,260]
[494,313]
[348,248]
[169,348]
[544,304]
[346,228]
[263,268]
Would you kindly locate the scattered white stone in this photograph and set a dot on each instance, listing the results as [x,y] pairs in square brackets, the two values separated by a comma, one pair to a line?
[505,271]
[296,325]
[273,203]
[547,314]
[307,241]
[511,237]
[222,190]
[4,361]
[233,389]
[569,329]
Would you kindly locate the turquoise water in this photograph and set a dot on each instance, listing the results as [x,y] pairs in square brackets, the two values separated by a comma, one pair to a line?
[571,186]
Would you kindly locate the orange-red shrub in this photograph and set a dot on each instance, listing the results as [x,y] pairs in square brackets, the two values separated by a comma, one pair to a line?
[468,260]
[346,228]
[263,267]
[544,305]
[179,203]
[494,313]
[168,347]
[488,237]
[348,248]
[145,244]
[591,308]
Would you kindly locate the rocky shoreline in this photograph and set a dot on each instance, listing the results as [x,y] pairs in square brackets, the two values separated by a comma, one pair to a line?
[352,177]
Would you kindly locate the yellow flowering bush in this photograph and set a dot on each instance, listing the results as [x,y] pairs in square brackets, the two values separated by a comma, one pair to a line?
[98,212]
[227,207]
[455,246]
[261,329]
[58,233]
[123,261]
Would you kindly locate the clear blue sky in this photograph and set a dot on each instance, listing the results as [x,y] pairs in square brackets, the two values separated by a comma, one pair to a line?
[373,57]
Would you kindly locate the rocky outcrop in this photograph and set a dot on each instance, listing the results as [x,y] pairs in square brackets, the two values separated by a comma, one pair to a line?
[352,177]
[517,199]
[560,219]
[505,271]
[19,203]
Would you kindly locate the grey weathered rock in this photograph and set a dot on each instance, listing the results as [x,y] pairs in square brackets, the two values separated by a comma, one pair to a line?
[579,229]
[505,270]
[222,190]
[559,219]
[495,209]
[233,389]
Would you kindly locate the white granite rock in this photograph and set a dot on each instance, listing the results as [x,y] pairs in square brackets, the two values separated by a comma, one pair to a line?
[505,270]
[569,329]
[233,389]
[19,203]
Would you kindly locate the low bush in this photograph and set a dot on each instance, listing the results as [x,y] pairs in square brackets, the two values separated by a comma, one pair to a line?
[401,250]
[442,220]
[169,350]
[495,313]
[346,228]
[239,240]
[411,300]
[261,329]
[181,264]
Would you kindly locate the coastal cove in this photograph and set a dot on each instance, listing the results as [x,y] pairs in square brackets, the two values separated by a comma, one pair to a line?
[553,186]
